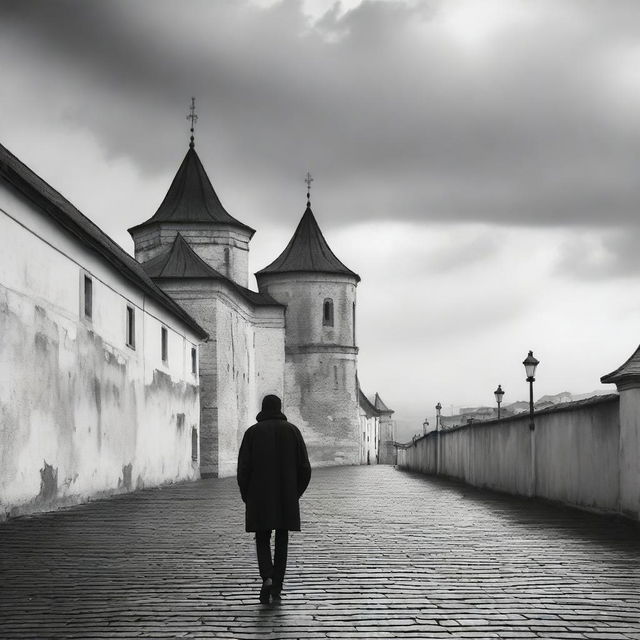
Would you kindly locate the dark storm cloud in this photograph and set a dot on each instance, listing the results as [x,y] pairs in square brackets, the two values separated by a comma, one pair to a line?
[536,124]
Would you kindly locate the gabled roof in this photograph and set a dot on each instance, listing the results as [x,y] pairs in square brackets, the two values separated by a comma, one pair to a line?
[181,261]
[381,406]
[628,371]
[308,251]
[61,211]
[192,198]
[366,404]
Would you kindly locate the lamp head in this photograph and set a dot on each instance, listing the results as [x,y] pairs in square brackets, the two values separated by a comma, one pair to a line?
[530,363]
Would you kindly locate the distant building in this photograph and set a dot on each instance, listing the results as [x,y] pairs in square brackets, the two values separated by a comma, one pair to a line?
[377,431]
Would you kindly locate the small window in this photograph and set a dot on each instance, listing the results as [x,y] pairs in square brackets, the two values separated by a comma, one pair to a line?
[327,313]
[164,343]
[194,361]
[194,443]
[88,297]
[131,327]
[226,257]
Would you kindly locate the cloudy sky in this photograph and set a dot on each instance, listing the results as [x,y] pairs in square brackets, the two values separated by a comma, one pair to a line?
[475,161]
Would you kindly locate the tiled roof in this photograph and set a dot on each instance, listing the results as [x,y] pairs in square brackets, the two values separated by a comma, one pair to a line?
[308,251]
[192,198]
[89,234]
[381,406]
[181,261]
[630,369]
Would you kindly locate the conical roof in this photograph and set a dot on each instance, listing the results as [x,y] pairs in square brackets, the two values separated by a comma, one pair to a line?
[308,251]
[192,198]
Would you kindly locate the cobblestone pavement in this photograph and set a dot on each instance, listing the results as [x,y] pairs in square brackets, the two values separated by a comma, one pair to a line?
[382,554]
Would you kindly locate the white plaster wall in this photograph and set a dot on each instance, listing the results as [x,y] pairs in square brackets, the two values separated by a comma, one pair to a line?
[577,455]
[82,414]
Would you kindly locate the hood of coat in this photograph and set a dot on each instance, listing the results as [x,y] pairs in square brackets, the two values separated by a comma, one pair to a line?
[271,409]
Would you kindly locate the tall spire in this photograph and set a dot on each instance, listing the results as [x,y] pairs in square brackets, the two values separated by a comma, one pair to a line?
[193,116]
[308,179]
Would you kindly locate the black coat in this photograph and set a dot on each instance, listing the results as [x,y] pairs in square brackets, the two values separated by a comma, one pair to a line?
[273,472]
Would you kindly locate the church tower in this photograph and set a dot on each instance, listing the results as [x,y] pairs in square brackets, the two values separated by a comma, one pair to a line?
[319,293]
[198,254]
[193,209]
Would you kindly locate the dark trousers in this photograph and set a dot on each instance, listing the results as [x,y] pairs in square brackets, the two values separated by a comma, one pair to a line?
[275,568]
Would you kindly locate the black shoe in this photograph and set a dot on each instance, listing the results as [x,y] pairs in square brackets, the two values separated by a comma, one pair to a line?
[265,590]
[276,596]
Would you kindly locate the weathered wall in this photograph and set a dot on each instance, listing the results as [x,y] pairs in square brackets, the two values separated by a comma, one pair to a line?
[572,456]
[81,413]
[321,394]
[324,406]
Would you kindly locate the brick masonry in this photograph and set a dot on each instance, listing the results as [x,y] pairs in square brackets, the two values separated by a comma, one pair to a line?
[383,554]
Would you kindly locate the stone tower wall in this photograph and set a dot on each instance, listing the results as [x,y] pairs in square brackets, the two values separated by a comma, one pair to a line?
[243,361]
[321,394]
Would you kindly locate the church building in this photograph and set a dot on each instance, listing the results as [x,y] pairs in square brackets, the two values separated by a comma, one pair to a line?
[155,374]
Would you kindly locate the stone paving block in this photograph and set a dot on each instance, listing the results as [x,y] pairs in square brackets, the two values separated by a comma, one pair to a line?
[382,554]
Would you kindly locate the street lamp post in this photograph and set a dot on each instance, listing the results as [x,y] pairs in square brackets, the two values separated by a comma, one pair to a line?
[438,409]
[425,424]
[530,363]
[498,393]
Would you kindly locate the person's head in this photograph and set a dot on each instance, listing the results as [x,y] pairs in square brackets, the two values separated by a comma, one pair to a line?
[271,409]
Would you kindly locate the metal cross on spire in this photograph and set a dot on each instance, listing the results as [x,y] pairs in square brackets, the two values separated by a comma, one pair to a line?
[193,116]
[308,179]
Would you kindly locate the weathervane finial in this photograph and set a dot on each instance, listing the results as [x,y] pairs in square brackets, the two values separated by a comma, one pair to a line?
[308,179]
[193,116]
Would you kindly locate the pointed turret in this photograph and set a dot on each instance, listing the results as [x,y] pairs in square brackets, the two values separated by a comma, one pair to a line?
[319,292]
[192,208]
[308,251]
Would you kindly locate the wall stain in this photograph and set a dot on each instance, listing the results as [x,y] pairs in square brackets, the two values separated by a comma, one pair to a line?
[97,394]
[48,482]
[126,477]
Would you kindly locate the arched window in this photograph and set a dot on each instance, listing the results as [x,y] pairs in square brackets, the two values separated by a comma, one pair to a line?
[327,313]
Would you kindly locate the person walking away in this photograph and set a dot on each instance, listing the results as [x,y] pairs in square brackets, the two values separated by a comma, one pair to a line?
[273,473]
